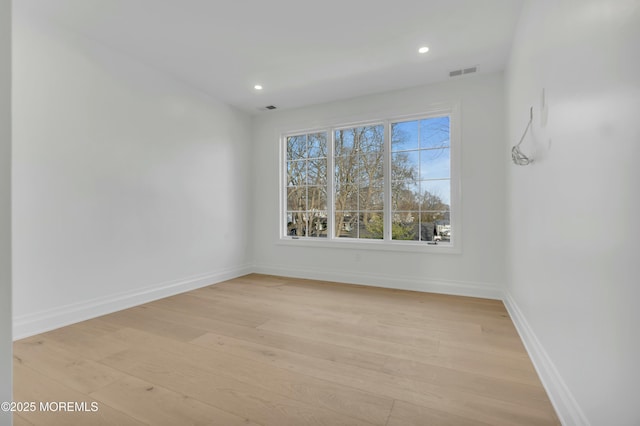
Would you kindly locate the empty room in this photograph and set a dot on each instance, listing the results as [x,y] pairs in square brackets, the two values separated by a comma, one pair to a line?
[299,213]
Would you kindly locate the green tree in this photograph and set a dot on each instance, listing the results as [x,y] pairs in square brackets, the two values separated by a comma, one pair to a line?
[399,231]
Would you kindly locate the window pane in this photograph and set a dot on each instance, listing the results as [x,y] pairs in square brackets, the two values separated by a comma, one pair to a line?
[359,174]
[307,185]
[434,132]
[359,140]
[434,216]
[296,173]
[435,163]
[371,196]
[444,227]
[369,139]
[434,210]
[405,225]
[346,197]
[405,165]
[370,167]
[317,224]
[346,224]
[371,225]
[435,195]
[297,198]
[431,225]
[316,198]
[296,147]
[346,170]
[317,171]
[343,142]
[404,136]
[317,145]
[296,224]
[421,210]
[405,195]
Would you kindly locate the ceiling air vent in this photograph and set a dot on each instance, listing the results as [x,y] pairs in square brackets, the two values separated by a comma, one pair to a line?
[462,71]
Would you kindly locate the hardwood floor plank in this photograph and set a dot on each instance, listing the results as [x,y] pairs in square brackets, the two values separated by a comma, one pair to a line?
[211,309]
[89,339]
[18,420]
[348,401]
[155,405]
[481,384]
[420,393]
[479,331]
[421,323]
[427,319]
[55,362]
[352,340]
[481,362]
[277,309]
[388,297]
[405,414]
[260,280]
[30,385]
[327,350]
[177,331]
[260,406]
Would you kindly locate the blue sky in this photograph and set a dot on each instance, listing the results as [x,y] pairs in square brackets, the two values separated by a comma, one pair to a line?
[426,144]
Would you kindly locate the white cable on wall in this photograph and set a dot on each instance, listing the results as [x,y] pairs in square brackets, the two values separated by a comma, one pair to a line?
[518,157]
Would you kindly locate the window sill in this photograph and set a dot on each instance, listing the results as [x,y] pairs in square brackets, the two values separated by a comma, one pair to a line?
[379,245]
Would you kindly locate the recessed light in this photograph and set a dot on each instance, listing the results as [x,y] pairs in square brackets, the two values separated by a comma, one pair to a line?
[257,87]
[423,49]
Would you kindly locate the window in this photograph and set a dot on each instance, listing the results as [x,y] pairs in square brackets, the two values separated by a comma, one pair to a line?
[391,182]
[359,182]
[307,185]
[421,180]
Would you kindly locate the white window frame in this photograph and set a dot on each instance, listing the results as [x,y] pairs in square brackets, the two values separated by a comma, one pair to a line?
[455,244]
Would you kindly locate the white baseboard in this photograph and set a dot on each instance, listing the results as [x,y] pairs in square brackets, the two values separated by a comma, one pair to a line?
[40,322]
[458,288]
[566,406]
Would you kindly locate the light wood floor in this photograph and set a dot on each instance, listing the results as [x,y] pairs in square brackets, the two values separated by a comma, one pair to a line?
[263,350]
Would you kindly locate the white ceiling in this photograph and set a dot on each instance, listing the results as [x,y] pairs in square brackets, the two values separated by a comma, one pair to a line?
[302,52]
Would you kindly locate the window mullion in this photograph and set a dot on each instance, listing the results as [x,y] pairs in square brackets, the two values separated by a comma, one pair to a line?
[331,214]
[285,187]
[386,152]
[420,182]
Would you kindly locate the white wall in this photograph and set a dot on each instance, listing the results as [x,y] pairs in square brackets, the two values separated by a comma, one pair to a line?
[5,209]
[479,270]
[574,234]
[128,186]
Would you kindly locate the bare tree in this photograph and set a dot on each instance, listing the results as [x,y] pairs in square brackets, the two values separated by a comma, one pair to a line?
[307,184]
[359,169]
